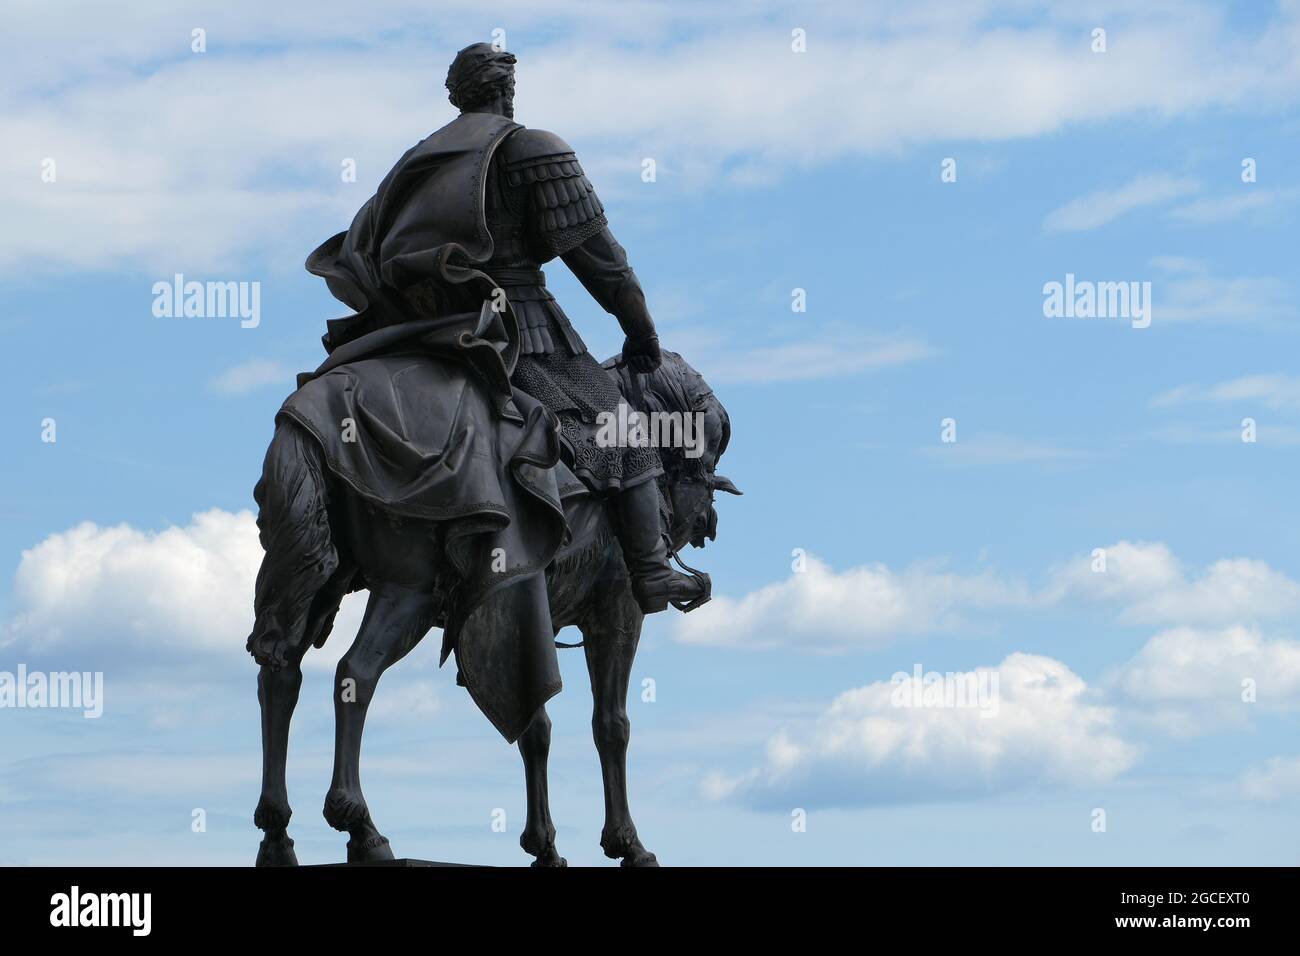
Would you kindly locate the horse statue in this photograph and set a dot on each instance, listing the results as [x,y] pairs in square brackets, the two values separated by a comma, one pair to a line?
[325,536]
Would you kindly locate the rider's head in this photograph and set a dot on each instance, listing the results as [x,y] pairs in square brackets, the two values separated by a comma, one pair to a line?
[482,80]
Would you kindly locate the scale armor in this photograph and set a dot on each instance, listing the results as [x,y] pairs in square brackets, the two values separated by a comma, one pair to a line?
[540,206]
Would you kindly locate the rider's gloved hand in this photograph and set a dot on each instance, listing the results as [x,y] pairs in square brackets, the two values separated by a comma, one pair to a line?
[641,352]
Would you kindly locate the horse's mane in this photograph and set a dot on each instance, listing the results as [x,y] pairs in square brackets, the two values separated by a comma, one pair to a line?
[673,387]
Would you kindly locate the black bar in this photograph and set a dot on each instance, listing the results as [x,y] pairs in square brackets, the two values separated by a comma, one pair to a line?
[336,903]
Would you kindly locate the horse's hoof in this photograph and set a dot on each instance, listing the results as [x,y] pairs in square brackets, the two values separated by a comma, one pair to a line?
[276,851]
[372,850]
[642,857]
[550,859]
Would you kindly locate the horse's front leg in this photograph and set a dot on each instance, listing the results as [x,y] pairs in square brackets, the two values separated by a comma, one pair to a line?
[396,619]
[611,631]
[277,693]
[538,837]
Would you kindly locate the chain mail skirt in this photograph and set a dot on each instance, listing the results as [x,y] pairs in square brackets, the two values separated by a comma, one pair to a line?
[577,389]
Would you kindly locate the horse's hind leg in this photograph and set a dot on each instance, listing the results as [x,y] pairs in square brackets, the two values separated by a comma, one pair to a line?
[539,832]
[396,619]
[611,631]
[277,693]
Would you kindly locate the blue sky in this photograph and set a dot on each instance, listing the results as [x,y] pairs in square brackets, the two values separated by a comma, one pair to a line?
[127,545]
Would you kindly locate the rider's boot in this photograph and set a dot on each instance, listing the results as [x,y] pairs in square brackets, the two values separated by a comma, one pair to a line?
[655,584]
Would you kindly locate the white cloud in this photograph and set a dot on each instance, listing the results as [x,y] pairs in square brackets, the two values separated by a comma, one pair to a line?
[1208,298]
[169,152]
[1106,205]
[1251,202]
[1098,208]
[1273,391]
[871,605]
[252,375]
[120,591]
[1189,680]
[1267,434]
[1189,292]
[867,606]
[1131,571]
[1150,585]
[990,448]
[864,750]
[1189,664]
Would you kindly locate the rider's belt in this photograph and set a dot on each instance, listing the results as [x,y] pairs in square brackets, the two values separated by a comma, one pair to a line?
[517,276]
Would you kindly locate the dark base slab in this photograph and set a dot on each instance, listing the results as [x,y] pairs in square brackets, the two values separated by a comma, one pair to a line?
[404,861]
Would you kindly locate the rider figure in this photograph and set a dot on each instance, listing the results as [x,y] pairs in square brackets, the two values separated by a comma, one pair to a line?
[538,206]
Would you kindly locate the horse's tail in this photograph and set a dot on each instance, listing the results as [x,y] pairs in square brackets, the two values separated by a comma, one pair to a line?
[302,578]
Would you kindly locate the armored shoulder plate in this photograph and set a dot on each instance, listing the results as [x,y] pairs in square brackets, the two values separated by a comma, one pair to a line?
[563,210]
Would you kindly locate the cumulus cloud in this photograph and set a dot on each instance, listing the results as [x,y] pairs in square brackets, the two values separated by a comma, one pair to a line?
[862,607]
[864,750]
[1148,584]
[194,583]
[117,590]
[1189,680]
[872,605]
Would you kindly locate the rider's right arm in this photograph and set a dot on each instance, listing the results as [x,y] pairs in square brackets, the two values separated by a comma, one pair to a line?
[601,265]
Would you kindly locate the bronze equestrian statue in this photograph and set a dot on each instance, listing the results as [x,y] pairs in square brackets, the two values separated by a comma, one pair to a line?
[450,457]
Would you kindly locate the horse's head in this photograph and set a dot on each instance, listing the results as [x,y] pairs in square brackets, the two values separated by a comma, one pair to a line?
[693,431]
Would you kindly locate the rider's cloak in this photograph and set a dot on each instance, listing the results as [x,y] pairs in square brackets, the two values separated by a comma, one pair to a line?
[421,374]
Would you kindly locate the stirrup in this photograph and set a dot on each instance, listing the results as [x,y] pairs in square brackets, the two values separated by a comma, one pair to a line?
[704,581]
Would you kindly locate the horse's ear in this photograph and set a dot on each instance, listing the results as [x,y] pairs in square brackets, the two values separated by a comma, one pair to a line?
[723,483]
